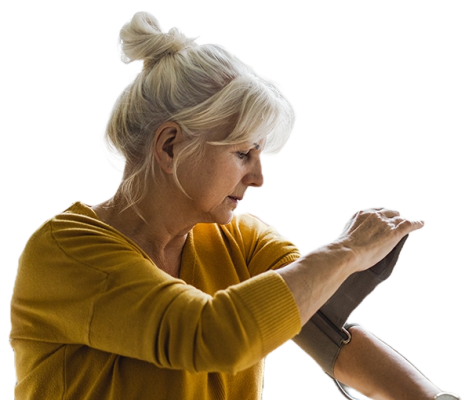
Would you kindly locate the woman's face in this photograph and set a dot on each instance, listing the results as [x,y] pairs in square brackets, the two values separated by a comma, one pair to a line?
[219,180]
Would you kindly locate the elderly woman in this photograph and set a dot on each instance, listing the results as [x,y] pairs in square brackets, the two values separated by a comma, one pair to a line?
[162,292]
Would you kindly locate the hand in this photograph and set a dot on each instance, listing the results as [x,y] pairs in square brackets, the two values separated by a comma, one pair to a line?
[373,233]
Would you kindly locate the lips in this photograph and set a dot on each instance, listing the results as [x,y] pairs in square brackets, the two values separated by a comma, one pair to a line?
[235,198]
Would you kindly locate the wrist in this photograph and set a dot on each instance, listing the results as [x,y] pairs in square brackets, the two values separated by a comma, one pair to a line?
[315,277]
[342,248]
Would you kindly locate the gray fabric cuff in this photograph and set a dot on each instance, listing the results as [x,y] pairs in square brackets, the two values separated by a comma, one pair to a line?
[323,336]
[359,285]
[322,342]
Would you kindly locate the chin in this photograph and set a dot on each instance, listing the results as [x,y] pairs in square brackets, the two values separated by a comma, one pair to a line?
[222,218]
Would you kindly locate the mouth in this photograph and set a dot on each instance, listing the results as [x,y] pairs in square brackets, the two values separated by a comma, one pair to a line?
[235,199]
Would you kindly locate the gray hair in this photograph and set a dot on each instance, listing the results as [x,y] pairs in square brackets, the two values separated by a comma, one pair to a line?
[202,88]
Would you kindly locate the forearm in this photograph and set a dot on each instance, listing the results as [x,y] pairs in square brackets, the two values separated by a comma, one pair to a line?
[379,372]
[314,278]
[369,236]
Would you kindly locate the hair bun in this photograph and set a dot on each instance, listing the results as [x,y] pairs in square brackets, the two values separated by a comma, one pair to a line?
[142,39]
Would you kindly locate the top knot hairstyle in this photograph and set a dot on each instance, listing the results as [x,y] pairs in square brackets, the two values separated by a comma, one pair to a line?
[202,88]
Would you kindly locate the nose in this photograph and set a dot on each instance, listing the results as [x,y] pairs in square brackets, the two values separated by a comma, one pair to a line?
[254,176]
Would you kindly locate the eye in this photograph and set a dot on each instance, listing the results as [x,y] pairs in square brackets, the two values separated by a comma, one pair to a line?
[242,154]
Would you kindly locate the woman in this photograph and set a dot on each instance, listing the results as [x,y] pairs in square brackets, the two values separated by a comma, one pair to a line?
[161,292]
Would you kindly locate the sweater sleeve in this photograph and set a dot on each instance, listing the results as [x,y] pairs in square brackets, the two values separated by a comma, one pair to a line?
[263,247]
[80,282]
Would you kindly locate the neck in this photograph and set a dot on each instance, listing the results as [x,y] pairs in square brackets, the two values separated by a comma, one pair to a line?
[156,226]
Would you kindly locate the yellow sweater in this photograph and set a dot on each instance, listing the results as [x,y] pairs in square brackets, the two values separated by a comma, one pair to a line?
[94,319]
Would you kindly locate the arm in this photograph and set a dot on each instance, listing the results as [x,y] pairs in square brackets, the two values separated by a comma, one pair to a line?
[314,278]
[368,238]
[379,372]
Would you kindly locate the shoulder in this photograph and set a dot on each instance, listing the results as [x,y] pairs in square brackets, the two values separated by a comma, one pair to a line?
[243,228]
[248,225]
[77,234]
[249,228]
[261,244]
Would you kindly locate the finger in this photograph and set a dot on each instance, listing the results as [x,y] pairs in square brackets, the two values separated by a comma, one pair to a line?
[407,226]
[381,212]
[394,212]
[376,209]
[387,212]
[397,220]
[379,209]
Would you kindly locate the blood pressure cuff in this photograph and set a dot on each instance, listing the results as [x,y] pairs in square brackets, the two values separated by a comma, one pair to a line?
[323,336]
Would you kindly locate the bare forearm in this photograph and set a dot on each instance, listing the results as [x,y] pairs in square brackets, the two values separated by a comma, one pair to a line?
[369,236]
[379,372]
[313,279]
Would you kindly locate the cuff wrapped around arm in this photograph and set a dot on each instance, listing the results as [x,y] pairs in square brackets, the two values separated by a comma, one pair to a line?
[326,332]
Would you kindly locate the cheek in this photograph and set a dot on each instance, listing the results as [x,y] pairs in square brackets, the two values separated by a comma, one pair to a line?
[219,187]
[194,177]
[212,179]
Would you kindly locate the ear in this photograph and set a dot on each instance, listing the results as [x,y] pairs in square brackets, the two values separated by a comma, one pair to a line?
[167,137]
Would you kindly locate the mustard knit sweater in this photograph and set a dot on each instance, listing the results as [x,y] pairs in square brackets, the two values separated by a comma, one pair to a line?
[94,319]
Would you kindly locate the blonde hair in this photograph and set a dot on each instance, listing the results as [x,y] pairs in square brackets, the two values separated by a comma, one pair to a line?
[202,88]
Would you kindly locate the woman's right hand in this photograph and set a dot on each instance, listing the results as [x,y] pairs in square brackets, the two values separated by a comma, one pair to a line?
[367,238]
[371,234]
